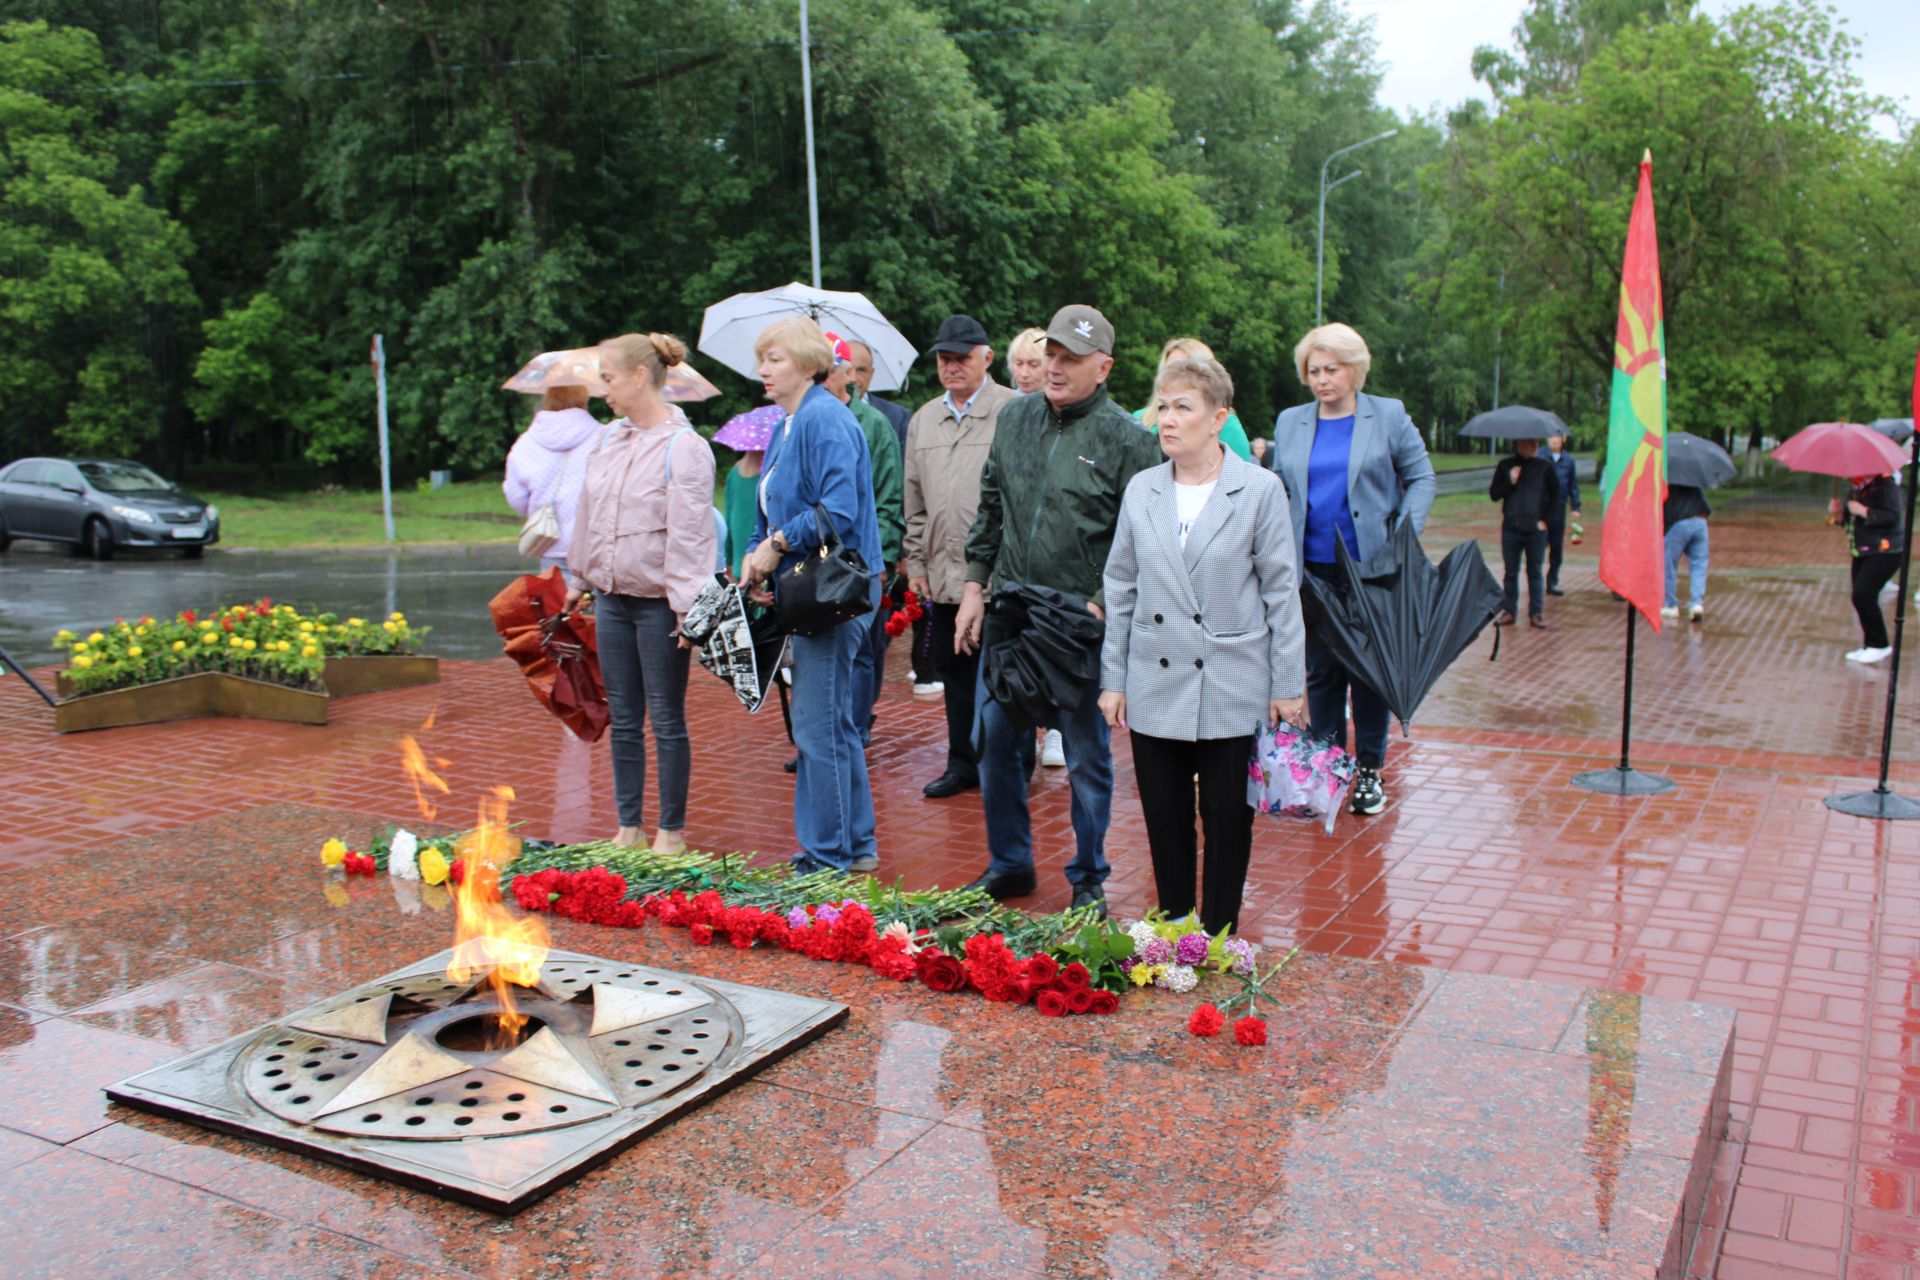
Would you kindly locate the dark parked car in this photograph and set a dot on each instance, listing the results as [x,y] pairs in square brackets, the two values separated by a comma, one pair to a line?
[100,504]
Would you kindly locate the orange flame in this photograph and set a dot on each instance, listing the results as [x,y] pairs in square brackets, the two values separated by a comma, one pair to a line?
[413,762]
[489,941]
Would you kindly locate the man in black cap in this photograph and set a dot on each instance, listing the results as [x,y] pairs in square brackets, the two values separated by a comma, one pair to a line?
[947,444]
[1049,499]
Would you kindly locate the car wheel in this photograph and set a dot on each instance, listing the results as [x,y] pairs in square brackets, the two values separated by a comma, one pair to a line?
[193,553]
[6,539]
[98,540]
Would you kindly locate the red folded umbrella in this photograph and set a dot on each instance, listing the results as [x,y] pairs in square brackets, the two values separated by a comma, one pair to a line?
[1844,449]
[555,650]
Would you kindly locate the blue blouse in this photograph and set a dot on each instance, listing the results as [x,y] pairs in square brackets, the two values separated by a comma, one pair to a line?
[819,454]
[1327,513]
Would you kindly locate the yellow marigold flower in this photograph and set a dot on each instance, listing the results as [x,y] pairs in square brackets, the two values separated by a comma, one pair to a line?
[139,631]
[79,646]
[134,651]
[249,645]
[397,617]
[62,634]
[356,622]
[306,627]
[332,853]
[321,629]
[95,638]
[83,662]
[178,645]
[308,651]
[388,627]
[433,865]
[208,637]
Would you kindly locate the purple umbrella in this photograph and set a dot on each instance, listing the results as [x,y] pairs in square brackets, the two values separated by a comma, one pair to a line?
[750,431]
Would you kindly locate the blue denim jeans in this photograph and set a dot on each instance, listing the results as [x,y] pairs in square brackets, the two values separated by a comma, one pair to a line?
[869,668]
[1687,538]
[645,673]
[832,801]
[1003,785]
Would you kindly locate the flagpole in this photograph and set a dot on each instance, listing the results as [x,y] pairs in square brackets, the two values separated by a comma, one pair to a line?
[1882,802]
[1623,779]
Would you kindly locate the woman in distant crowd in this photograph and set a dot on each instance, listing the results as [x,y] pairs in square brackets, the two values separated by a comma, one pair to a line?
[742,501]
[1354,466]
[547,463]
[1204,531]
[818,456]
[645,544]
[1872,514]
[1027,361]
[1233,435]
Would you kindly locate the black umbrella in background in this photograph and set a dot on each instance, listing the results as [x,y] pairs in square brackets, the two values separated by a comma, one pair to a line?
[1396,621]
[1697,462]
[1514,422]
[1898,430]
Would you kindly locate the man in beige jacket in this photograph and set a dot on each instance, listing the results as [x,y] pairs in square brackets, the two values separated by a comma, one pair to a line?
[947,443]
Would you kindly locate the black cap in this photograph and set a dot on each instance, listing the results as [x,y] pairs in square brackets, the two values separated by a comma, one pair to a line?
[960,335]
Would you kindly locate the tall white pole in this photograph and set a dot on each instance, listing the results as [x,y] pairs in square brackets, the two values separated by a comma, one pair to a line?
[806,112]
[380,400]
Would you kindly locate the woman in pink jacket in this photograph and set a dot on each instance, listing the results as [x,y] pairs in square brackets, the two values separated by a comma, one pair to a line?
[644,544]
[547,463]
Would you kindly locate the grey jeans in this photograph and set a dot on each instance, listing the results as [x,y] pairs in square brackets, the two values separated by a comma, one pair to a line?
[645,672]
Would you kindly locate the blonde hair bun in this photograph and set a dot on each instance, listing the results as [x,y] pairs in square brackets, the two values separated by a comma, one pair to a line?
[670,349]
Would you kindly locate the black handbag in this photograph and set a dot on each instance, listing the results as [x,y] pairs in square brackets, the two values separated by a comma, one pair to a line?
[824,588]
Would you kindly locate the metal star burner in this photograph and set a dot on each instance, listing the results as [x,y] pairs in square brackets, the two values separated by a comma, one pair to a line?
[409,1078]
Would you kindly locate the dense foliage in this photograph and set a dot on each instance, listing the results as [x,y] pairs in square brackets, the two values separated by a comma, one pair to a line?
[209,206]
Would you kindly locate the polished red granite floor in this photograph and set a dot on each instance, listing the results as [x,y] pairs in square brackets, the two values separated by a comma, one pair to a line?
[1740,889]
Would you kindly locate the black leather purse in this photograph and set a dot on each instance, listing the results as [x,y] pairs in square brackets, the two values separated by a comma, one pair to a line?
[825,588]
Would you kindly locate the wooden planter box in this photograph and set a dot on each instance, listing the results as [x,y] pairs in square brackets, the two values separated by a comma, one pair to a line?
[207,693]
[376,673]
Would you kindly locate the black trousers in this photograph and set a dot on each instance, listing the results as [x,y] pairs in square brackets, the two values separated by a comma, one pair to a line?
[1533,544]
[961,672]
[1165,770]
[1556,543]
[1870,573]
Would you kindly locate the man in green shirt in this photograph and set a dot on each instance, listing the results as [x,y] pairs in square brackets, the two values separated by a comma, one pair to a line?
[883,448]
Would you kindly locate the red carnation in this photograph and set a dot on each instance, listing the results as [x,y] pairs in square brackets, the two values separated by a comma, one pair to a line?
[457,873]
[701,933]
[1105,1002]
[1076,975]
[1250,1030]
[941,972]
[1051,1003]
[1042,968]
[1080,1000]
[1207,1020]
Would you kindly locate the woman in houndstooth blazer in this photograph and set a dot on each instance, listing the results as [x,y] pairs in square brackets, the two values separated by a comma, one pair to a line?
[1204,639]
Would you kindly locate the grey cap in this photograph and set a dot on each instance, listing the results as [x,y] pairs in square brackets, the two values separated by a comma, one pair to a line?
[1081,330]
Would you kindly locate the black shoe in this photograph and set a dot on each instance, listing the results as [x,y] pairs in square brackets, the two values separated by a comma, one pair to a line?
[1000,888]
[949,784]
[1369,797]
[1090,895]
[792,766]
[1555,591]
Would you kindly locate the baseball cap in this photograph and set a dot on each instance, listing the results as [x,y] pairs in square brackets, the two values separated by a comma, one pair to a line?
[960,335]
[842,352]
[1081,330]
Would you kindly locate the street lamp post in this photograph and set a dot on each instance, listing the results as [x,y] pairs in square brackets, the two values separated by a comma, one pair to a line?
[806,113]
[1320,240]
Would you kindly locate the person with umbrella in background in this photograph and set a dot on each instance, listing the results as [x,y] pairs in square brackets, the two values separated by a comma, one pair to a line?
[645,543]
[1354,466]
[1527,490]
[746,434]
[548,463]
[1873,515]
[1566,469]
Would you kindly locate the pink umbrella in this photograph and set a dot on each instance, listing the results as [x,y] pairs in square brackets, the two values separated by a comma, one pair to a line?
[1843,449]
[750,430]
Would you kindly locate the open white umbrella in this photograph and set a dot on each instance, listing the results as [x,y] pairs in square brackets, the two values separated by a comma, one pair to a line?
[732,326]
[580,367]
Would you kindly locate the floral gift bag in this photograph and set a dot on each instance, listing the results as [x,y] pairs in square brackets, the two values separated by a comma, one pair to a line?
[1298,776]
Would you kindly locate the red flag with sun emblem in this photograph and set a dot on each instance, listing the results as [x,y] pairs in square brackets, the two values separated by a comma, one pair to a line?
[1634,485]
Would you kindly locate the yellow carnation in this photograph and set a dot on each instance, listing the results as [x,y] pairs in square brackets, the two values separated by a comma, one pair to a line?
[433,865]
[332,853]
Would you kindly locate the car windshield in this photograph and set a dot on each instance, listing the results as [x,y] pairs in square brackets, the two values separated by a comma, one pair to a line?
[121,477]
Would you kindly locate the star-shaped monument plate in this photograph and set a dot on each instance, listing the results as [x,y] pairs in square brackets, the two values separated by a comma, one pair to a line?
[411,1077]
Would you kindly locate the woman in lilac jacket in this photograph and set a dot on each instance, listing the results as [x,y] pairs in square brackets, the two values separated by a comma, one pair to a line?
[645,544]
[548,462]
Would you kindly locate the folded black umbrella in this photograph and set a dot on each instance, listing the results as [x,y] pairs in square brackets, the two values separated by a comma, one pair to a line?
[1396,621]
[1041,650]
[1697,462]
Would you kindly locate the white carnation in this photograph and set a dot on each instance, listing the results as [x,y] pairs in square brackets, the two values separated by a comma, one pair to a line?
[403,860]
[1178,978]
[1142,933]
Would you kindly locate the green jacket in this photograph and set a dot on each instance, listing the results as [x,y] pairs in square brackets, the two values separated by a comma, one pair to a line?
[1050,493]
[883,447]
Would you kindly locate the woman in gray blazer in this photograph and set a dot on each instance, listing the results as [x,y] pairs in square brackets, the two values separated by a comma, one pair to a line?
[1354,465]
[1204,640]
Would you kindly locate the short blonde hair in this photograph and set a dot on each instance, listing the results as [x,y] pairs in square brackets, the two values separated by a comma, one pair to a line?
[570,397]
[1200,373]
[1173,350]
[1340,342]
[1184,347]
[1032,341]
[649,353]
[803,341]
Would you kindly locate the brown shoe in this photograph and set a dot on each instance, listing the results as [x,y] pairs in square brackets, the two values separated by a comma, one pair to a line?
[1537,622]
[1504,620]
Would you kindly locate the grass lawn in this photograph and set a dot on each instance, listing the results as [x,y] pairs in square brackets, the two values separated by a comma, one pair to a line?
[1462,461]
[469,512]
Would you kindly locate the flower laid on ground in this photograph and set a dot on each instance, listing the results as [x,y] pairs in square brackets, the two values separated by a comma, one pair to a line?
[1170,953]
[403,855]
[1206,1021]
[433,865]
[1250,1031]
[332,853]
[263,641]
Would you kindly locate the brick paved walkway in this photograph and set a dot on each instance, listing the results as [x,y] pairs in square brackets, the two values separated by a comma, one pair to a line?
[1738,889]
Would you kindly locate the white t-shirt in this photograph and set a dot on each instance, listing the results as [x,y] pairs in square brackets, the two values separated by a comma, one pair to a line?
[1188,500]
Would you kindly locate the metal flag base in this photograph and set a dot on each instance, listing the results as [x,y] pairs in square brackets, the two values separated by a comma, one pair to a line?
[1622,781]
[1878,803]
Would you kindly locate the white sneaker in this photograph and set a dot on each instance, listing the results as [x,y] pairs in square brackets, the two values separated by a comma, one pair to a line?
[1670,611]
[1889,591]
[1870,655]
[1697,613]
[1054,753]
[929,688]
